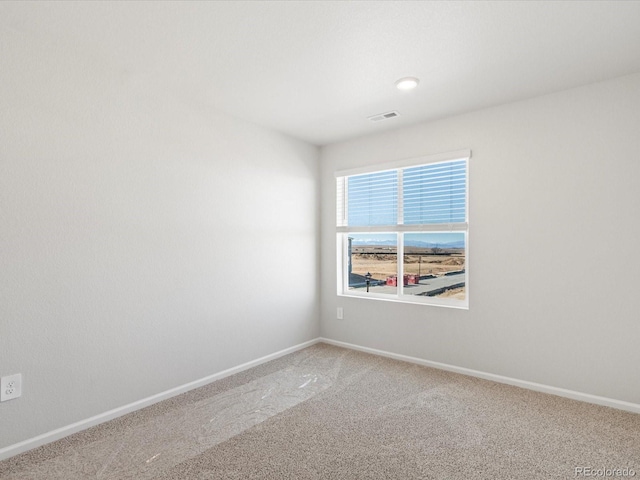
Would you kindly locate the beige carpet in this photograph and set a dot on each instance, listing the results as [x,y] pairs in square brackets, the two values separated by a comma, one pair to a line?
[331,413]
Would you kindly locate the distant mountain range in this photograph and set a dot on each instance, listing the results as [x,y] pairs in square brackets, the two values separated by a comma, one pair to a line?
[416,243]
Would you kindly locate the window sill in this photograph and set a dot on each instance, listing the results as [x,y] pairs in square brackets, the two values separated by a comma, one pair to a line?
[409,300]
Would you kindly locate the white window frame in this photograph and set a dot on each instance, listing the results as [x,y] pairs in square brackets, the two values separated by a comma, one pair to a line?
[343,231]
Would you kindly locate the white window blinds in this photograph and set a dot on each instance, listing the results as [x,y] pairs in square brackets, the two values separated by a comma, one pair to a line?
[423,195]
[435,193]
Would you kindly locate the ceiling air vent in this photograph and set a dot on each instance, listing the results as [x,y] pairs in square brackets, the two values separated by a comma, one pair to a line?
[384,116]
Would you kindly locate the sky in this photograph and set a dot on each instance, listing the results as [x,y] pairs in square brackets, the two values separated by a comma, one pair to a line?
[411,239]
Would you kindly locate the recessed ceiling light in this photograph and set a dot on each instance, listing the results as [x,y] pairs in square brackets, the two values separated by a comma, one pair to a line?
[407,83]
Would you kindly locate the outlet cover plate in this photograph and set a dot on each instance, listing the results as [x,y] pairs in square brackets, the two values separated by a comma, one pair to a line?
[10,387]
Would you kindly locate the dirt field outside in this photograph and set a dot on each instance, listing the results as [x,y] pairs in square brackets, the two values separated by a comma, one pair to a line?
[382,262]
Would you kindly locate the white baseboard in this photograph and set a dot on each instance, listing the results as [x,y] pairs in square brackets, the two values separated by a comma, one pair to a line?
[538,387]
[62,432]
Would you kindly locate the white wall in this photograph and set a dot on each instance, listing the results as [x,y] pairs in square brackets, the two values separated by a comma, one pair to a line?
[554,227]
[144,244]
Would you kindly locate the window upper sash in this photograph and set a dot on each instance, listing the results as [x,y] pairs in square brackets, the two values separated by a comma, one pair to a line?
[428,194]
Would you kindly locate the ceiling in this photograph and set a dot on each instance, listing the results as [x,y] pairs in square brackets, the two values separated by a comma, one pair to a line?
[316,70]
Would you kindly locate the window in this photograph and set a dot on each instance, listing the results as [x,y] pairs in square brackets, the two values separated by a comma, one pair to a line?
[402,231]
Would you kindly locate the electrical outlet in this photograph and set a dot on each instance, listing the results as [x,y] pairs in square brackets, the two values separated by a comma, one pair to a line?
[340,313]
[10,387]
